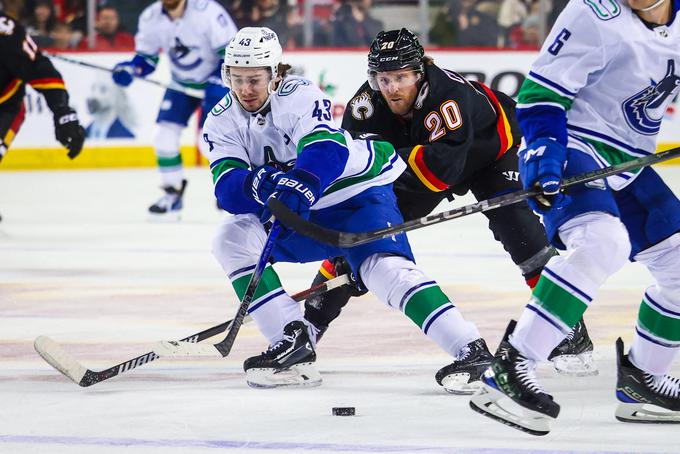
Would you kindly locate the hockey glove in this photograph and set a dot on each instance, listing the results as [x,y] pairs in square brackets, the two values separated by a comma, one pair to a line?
[125,72]
[261,182]
[298,190]
[540,165]
[68,130]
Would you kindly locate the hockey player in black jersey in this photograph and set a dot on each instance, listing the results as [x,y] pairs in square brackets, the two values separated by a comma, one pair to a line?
[456,136]
[22,63]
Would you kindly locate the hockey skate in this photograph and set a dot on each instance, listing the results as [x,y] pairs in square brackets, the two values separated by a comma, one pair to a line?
[574,355]
[462,376]
[645,398]
[289,362]
[169,206]
[511,375]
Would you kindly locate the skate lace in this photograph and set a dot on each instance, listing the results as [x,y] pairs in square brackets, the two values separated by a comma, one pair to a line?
[464,353]
[526,374]
[664,384]
[167,200]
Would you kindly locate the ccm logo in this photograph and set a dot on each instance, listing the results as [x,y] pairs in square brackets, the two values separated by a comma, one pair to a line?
[299,187]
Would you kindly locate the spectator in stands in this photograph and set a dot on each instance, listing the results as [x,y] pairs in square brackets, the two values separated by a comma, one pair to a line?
[466,23]
[62,37]
[109,36]
[271,14]
[41,23]
[352,24]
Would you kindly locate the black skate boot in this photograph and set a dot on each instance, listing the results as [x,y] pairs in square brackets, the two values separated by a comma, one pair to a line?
[321,310]
[635,388]
[462,376]
[169,206]
[289,362]
[574,355]
[513,375]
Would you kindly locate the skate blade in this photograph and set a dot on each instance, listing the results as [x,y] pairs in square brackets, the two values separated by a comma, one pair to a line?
[458,384]
[581,365]
[486,402]
[299,375]
[161,218]
[646,414]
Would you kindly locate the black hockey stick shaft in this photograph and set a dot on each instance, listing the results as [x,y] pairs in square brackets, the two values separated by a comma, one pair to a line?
[348,239]
[91,377]
[188,92]
[224,346]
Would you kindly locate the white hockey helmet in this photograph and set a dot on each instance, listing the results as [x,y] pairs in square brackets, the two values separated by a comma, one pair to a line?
[253,47]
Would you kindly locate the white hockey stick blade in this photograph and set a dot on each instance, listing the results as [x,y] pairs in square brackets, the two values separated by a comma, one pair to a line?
[179,349]
[59,359]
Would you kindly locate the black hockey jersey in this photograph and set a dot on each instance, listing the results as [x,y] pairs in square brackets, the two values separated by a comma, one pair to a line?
[458,128]
[21,62]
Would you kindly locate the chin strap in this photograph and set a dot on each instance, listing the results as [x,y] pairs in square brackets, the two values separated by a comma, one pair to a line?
[656,4]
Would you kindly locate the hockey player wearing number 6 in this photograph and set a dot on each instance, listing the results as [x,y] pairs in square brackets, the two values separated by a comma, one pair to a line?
[273,136]
[194,34]
[596,96]
[456,136]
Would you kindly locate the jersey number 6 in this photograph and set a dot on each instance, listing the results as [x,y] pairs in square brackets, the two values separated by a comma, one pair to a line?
[452,120]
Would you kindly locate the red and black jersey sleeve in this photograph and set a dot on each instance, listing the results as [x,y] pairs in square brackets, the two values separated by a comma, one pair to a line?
[21,62]
[461,128]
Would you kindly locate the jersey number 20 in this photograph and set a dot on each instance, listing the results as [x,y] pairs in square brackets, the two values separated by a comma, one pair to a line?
[452,120]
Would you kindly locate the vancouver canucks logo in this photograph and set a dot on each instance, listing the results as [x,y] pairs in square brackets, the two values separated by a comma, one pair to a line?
[179,52]
[645,110]
[362,107]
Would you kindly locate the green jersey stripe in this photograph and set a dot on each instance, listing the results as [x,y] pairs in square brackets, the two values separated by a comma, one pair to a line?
[321,136]
[535,93]
[383,153]
[224,166]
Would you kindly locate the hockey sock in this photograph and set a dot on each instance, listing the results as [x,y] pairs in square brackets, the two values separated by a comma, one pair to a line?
[166,144]
[271,308]
[657,334]
[398,282]
[597,247]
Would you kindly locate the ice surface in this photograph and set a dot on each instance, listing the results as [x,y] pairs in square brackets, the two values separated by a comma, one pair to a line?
[79,262]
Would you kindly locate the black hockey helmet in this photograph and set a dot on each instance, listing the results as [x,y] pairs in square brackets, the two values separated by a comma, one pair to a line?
[394,49]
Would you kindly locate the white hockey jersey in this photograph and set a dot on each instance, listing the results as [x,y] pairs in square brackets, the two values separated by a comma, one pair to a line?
[299,115]
[194,42]
[612,74]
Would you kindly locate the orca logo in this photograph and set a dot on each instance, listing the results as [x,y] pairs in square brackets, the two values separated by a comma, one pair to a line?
[644,110]
[362,107]
[179,52]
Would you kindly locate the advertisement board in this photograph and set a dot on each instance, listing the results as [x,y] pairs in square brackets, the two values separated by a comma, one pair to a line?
[121,122]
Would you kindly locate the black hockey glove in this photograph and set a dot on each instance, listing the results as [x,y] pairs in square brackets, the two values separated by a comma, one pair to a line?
[68,130]
[355,285]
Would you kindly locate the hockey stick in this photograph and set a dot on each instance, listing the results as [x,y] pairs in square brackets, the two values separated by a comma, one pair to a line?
[222,348]
[349,239]
[194,93]
[58,358]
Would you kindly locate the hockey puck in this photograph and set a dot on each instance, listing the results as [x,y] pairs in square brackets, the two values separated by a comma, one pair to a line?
[343,411]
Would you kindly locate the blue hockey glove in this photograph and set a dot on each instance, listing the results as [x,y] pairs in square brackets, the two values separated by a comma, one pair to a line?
[261,182]
[298,190]
[540,165]
[124,73]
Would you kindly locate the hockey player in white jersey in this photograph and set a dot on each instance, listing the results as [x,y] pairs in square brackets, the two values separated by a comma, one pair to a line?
[194,34]
[596,96]
[274,136]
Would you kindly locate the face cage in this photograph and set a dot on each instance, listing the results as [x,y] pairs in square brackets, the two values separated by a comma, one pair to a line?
[373,77]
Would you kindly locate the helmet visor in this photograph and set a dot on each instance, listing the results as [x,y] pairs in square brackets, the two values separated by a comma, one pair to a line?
[394,80]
